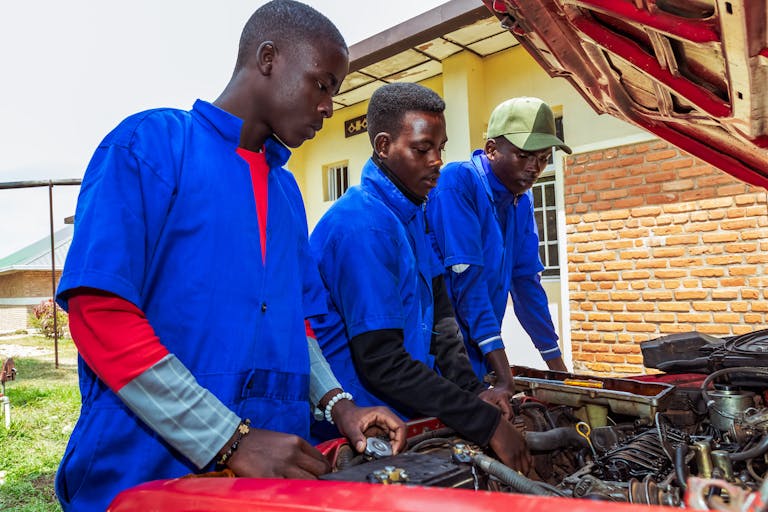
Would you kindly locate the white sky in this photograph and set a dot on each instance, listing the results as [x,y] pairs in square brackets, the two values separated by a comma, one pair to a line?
[71,70]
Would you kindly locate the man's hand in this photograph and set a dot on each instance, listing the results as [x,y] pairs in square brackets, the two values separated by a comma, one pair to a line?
[357,423]
[269,454]
[499,397]
[509,446]
[557,364]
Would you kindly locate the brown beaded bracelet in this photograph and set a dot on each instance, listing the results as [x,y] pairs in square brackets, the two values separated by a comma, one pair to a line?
[242,430]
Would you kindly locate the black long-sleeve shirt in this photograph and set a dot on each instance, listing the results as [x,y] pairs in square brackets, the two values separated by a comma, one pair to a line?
[386,368]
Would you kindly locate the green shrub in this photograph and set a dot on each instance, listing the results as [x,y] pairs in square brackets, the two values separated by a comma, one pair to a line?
[42,319]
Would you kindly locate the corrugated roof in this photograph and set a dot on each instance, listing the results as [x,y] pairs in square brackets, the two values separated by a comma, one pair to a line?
[37,256]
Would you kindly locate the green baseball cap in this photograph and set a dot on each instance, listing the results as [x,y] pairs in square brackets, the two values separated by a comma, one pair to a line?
[526,122]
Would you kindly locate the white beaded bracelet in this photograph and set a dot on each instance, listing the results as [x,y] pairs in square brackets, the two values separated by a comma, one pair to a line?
[334,401]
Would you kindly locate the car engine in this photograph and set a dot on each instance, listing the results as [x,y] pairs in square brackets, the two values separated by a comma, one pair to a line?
[666,439]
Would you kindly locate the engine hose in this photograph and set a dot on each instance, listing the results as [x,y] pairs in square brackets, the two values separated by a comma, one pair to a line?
[440,432]
[680,467]
[555,439]
[757,451]
[509,476]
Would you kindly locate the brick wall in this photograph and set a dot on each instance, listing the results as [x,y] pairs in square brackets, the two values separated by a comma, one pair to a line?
[27,284]
[659,242]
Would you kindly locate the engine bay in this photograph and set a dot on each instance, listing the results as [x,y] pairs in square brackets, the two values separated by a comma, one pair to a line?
[677,439]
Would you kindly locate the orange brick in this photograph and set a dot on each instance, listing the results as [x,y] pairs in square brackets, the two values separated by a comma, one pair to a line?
[708,272]
[624,296]
[586,306]
[669,273]
[733,282]
[599,367]
[628,317]
[727,318]
[668,252]
[600,316]
[584,357]
[697,227]
[605,276]
[654,263]
[661,155]
[628,369]
[639,285]
[647,211]
[679,208]
[675,328]
[640,327]
[725,294]
[744,199]
[747,270]
[696,318]
[755,234]
[589,247]
[730,190]
[667,230]
[590,267]
[754,318]
[634,233]
[714,329]
[618,265]
[739,225]
[740,307]
[716,214]
[602,256]
[610,306]
[741,329]
[710,306]
[748,294]
[740,248]
[678,185]
[599,236]
[691,283]
[673,306]
[635,274]
[595,347]
[609,326]
[720,202]
[736,213]
[660,317]
[690,295]
[757,259]
[610,358]
[658,295]
[626,348]
[760,306]
[640,306]
[598,296]
[719,238]
[730,259]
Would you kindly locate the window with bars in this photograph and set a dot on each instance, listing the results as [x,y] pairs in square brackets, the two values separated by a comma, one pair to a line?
[545,213]
[335,181]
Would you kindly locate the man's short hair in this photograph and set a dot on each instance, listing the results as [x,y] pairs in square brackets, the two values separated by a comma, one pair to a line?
[288,24]
[390,102]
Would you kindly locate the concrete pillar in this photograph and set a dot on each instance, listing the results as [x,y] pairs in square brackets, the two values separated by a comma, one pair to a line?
[465,113]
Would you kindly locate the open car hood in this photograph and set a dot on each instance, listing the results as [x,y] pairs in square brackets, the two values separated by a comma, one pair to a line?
[692,72]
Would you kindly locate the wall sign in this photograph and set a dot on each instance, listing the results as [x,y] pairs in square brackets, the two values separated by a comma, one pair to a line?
[355,126]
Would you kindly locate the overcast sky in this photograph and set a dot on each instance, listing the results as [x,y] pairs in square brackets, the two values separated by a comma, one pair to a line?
[70,71]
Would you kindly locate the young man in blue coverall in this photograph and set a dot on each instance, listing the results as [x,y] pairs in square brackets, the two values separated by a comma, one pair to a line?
[189,280]
[481,216]
[386,285]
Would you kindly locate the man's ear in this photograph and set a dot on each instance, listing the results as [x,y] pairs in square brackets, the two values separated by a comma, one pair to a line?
[490,148]
[381,144]
[265,57]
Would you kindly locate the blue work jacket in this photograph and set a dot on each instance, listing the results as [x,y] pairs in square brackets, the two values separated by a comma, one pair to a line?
[166,219]
[476,221]
[377,264]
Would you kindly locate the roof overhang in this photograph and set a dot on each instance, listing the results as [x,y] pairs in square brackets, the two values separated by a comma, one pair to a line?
[415,49]
[692,72]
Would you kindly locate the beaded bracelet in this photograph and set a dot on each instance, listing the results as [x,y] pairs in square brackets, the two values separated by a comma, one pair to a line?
[329,406]
[242,430]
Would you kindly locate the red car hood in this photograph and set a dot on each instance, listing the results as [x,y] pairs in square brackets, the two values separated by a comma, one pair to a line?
[693,72]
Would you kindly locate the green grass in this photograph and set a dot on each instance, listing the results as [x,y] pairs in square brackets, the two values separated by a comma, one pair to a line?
[45,403]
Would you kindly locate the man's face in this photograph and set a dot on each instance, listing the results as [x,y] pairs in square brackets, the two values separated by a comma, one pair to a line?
[415,156]
[307,78]
[517,170]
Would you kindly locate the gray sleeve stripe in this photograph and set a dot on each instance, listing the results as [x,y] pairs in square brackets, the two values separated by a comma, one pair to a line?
[321,377]
[488,340]
[189,417]
[549,351]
